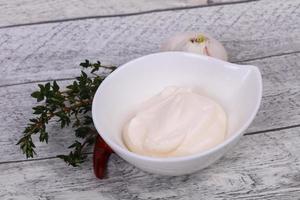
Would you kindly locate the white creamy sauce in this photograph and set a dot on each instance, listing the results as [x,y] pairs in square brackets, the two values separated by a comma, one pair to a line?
[176,122]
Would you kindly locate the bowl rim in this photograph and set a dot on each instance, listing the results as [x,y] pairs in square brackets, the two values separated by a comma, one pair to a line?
[235,135]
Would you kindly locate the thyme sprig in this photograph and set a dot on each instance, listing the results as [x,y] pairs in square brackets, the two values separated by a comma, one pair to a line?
[69,107]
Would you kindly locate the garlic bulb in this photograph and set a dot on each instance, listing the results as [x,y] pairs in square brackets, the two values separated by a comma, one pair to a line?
[196,43]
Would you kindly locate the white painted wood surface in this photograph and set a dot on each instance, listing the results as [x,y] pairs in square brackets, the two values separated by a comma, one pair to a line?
[31,11]
[261,166]
[16,12]
[265,165]
[53,51]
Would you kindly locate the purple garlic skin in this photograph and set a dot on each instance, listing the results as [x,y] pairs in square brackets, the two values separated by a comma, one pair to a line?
[198,43]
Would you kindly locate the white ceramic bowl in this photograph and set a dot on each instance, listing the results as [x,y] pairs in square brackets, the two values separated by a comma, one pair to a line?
[238,88]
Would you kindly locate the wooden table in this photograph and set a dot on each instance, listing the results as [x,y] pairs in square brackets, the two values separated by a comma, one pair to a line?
[44,40]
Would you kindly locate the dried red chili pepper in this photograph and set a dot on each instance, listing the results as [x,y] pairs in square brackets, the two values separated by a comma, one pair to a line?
[100,157]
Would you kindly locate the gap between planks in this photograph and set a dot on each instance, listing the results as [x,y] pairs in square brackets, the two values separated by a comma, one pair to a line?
[129,14]
[90,153]
[264,57]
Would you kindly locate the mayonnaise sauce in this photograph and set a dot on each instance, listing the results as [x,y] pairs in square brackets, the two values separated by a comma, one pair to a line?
[176,122]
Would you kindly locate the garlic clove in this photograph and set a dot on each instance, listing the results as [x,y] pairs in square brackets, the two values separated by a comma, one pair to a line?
[216,49]
[196,43]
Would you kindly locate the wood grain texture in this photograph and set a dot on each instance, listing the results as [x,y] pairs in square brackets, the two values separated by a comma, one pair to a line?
[280,107]
[53,51]
[262,166]
[18,12]
[32,11]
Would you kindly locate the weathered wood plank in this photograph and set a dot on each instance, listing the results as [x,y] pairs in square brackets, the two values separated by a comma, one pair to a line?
[281,92]
[280,108]
[18,12]
[262,166]
[52,51]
